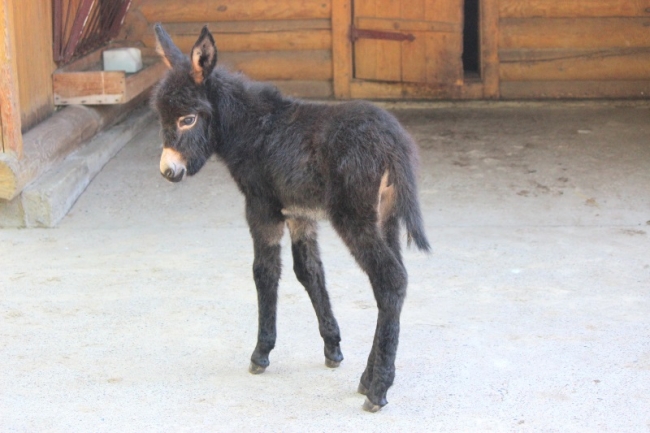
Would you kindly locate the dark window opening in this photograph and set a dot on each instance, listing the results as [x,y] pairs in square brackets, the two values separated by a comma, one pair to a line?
[471,51]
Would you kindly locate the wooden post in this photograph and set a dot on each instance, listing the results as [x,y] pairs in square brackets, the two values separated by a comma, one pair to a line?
[341,48]
[11,137]
[489,10]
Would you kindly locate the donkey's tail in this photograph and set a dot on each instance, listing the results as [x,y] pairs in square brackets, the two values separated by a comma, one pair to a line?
[408,206]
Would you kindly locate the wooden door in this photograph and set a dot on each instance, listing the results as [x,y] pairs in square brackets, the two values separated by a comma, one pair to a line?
[432,55]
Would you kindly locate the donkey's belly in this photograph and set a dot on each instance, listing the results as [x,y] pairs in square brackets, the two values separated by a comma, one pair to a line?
[303,212]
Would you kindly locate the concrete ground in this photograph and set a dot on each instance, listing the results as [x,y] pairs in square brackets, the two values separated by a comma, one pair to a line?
[138,313]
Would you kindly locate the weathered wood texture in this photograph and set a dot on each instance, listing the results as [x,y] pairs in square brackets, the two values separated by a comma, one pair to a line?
[84,81]
[271,41]
[433,57]
[200,11]
[489,41]
[573,9]
[33,33]
[341,48]
[582,43]
[10,136]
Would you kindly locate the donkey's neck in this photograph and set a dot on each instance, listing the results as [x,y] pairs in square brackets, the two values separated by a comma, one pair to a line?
[240,109]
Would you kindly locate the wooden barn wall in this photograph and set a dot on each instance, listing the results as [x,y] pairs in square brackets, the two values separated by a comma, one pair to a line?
[287,42]
[35,64]
[574,49]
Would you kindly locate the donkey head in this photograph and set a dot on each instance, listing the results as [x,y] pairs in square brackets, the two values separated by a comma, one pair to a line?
[181,100]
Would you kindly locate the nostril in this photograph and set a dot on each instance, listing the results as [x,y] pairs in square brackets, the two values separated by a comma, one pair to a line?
[169,173]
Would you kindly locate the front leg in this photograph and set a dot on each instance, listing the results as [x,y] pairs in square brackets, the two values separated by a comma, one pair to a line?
[266,234]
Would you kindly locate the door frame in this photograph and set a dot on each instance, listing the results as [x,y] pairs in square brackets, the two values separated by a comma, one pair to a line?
[346,86]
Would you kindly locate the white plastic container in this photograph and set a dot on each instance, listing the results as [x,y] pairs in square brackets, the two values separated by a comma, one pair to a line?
[123,59]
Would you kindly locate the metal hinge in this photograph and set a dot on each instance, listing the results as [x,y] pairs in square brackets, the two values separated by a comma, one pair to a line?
[356,34]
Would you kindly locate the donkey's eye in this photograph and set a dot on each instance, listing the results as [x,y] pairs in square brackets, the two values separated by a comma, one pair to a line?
[187,121]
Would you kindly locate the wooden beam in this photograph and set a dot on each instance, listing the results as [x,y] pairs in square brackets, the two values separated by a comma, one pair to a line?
[281,65]
[557,65]
[232,10]
[382,90]
[217,27]
[574,32]
[10,101]
[573,9]
[341,48]
[575,89]
[258,41]
[489,37]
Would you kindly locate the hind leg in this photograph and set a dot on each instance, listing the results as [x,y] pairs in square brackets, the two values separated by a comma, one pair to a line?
[390,230]
[388,279]
[309,271]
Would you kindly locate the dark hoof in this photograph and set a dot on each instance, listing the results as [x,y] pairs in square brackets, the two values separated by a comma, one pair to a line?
[369,406]
[362,389]
[331,363]
[255,369]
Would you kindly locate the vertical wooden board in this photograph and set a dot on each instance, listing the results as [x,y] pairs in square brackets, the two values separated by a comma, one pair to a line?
[389,53]
[444,59]
[341,48]
[489,37]
[414,59]
[444,10]
[365,50]
[34,59]
[10,98]
[413,9]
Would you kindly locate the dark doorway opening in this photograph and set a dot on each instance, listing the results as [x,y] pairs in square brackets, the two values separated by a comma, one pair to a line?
[471,51]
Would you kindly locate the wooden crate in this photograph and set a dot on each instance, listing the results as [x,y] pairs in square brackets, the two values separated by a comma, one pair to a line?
[84,82]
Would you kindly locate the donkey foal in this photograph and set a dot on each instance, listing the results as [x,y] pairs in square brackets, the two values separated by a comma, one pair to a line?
[295,160]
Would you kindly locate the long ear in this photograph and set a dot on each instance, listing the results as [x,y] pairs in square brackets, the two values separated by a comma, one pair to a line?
[170,53]
[203,56]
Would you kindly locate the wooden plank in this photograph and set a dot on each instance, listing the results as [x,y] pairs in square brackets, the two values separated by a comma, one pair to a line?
[553,54]
[444,10]
[143,80]
[555,65]
[381,90]
[10,101]
[574,32]
[406,26]
[232,10]
[365,50]
[99,87]
[489,37]
[217,27]
[444,58]
[34,71]
[96,87]
[263,41]
[573,9]
[575,89]
[389,53]
[414,65]
[305,89]
[281,65]
[341,48]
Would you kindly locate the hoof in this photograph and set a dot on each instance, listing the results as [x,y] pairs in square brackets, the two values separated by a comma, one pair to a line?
[332,364]
[369,406]
[362,389]
[255,369]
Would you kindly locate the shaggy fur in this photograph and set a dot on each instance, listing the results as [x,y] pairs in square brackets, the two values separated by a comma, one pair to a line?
[293,160]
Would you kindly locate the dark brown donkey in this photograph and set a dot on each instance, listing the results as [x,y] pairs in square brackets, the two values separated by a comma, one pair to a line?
[293,160]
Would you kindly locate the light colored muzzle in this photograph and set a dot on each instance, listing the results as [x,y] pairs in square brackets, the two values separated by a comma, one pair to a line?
[172,165]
